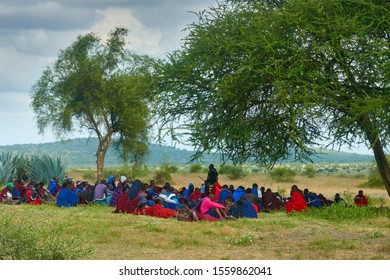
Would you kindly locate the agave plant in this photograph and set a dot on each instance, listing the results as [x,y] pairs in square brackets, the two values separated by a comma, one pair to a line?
[7,166]
[44,167]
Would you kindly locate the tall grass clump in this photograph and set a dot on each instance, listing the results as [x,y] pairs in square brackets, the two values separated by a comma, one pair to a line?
[309,171]
[233,172]
[196,168]
[24,240]
[282,174]
[341,212]
[163,173]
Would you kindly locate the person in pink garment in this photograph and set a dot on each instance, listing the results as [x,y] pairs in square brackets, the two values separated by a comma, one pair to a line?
[209,204]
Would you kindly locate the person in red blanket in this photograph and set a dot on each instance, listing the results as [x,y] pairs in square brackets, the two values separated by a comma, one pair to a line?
[33,195]
[123,199]
[360,199]
[297,202]
[159,211]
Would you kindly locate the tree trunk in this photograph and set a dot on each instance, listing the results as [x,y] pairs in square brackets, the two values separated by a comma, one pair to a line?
[103,146]
[376,145]
[381,162]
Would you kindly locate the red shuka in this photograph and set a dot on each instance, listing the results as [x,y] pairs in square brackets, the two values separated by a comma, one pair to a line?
[296,203]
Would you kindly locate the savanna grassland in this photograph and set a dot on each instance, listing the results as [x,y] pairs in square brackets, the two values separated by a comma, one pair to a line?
[94,232]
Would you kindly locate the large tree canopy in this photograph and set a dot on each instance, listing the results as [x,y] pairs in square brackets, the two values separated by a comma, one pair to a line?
[262,80]
[100,87]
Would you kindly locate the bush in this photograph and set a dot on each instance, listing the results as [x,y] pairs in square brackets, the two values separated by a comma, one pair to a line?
[196,168]
[163,174]
[233,172]
[309,171]
[282,174]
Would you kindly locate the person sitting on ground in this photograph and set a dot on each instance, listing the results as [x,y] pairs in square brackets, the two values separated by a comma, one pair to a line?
[297,202]
[186,193]
[259,194]
[54,186]
[249,210]
[210,207]
[156,189]
[339,200]
[195,196]
[86,197]
[271,201]
[232,209]
[360,199]
[157,210]
[6,195]
[19,185]
[33,195]
[225,192]
[123,200]
[115,196]
[306,195]
[111,184]
[313,200]
[45,195]
[240,191]
[324,200]
[185,214]
[66,197]
[100,193]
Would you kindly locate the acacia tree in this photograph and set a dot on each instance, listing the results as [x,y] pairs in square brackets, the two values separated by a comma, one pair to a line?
[100,87]
[263,80]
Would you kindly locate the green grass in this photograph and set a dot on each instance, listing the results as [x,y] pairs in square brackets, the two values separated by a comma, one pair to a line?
[94,232]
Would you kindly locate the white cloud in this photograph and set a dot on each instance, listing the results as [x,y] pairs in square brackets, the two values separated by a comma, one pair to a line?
[141,38]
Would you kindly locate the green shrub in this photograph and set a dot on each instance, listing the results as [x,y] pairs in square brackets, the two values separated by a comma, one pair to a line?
[233,172]
[282,174]
[22,240]
[196,168]
[163,174]
[309,171]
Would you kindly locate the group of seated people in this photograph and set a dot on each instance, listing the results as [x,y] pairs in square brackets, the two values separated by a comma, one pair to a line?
[210,203]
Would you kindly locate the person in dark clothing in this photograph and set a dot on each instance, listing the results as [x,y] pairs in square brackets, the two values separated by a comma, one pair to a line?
[212,178]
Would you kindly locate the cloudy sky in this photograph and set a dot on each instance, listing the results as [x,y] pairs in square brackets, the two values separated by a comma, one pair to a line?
[32,32]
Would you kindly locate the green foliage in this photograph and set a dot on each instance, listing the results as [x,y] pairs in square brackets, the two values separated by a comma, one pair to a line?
[21,240]
[196,168]
[44,167]
[39,167]
[282,174]
[309,171]
[374,178]
[163,173]
[7,167]
[341,212]
[100,87]
[259,84]
[233,172]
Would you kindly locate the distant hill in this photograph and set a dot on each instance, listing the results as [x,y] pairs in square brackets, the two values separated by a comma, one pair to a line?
[81,152]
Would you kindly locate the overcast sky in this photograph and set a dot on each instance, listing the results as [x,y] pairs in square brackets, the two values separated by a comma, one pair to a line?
[32,32]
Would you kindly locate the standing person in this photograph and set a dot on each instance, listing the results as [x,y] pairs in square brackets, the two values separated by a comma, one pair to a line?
[360,199]
[212,178]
